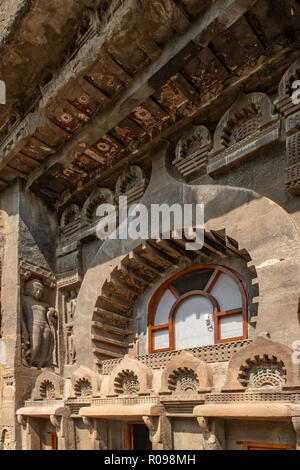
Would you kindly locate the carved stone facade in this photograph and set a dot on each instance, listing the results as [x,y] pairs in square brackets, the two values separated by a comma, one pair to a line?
[166,105]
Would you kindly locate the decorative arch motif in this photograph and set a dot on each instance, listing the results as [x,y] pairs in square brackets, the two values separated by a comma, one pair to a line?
[85,383]
[69,215]
[99,196]
[127,382]
[248,120]
[131,183]
[169,296]
[191,154]
[130,377]
[262,364]
[185,374]
[262,373]
[285,89]
[47,390]
[48,386]
[83,388]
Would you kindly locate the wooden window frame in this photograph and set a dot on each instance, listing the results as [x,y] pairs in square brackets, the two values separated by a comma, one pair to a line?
[53,441]
[170,326]
[129,434]
[265,446]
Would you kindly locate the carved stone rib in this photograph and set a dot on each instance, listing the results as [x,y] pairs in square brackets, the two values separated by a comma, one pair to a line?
[115,316]
[104,339]
[110,329]
[105,352]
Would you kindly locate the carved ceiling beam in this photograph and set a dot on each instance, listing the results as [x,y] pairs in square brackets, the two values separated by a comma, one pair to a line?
[220,16]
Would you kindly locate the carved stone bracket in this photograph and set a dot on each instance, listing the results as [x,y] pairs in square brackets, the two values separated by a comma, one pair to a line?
[296,424]
[29,270]
[88,422]
[56,421]
[22,420]
[209,434]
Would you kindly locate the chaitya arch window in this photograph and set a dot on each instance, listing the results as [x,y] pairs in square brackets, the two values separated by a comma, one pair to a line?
[202,305]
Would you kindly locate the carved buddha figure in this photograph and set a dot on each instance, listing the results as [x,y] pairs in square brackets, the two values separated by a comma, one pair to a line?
[38,325]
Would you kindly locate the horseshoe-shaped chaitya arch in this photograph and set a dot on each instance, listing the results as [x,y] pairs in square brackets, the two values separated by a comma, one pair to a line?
[121,271]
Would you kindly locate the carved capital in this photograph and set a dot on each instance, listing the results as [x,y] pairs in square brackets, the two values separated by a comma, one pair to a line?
[88,422]
[203,423]
[149,422]
[56,422]
[22,420]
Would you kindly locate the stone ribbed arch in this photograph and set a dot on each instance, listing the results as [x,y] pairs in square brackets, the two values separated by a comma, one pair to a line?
[129,366]
[182,364]
[247,106]
[84,377]
[262,228]
[292,74]
[261,348]
[51,380]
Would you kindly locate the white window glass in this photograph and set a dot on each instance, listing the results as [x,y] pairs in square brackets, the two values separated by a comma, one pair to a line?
[231,326]
[160,339]
[164,307]
[227,293]
[194,323]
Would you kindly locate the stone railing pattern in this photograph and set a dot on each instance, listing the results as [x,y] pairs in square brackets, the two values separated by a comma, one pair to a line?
[252,397]
[212,353]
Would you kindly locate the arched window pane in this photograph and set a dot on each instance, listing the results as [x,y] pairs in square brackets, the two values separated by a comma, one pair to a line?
[161,339]
[191,327]
[227,293]
[231,326]
[192,281]
[163,308]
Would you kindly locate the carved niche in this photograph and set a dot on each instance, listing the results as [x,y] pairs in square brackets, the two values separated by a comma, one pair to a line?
[38,327]
[83,388]
[185,374]
[262,364]
[48,386]
[127,383]
[130,377]
[85,383]
[191,154]
[291,114]
[131,183]
[247,126]
[99,196]
[70,215]
[262,373]
[6,441]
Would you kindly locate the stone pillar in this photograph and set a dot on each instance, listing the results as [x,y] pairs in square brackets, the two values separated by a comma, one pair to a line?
[33,441]
[97,433]
[57,422]
[160,432]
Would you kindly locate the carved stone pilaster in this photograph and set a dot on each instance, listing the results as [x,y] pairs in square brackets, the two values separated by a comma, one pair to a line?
[154,426]
[95,430]
[159,432]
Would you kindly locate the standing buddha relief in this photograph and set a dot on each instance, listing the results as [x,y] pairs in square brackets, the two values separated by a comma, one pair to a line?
[70,307]
[39,327]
